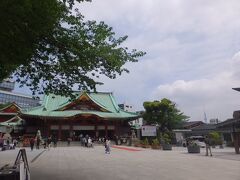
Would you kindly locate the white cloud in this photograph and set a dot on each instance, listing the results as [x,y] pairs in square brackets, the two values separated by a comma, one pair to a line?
[189,45]
[213,95]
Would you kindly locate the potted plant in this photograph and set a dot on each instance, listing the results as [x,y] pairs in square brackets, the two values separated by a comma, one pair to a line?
[221,144]
[166,142]
[193,147]
[155,144]
[137,143]
[145,143]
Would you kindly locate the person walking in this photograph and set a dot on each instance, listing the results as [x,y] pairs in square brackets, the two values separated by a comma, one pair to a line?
[49,141]
[55,141]
[85,140]
[81,138]
[90,143]
[45,143]
[32,141]
[107,146]
[208,145]
[69,141]
[15,143]
[38,142]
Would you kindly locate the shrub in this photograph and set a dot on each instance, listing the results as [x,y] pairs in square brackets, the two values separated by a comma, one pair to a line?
[155,142]
[145,142]
[216,138]
[166,138]
[192,144]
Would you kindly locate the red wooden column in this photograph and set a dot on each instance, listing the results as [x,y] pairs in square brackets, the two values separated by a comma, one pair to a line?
[60,131]
[116,128]
[48,129]
[71,131]
[106,130]
[236,142]
[96,131]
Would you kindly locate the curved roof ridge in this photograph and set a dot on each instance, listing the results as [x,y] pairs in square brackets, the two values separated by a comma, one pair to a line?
[10,104]
[88,94]
[98,103]
[114,102]
[33,108]
[65,103]
[9,121]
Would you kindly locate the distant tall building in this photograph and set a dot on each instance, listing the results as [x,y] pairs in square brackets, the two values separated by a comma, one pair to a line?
[126,107]
[214,121]
[7,96]
[205,117]
[129,108]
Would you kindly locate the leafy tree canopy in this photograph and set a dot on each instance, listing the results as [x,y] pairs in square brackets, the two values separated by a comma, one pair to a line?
[49,46]
[163,113]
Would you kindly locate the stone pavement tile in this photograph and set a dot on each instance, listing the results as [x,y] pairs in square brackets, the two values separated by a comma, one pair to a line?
[9,156]
[92,163]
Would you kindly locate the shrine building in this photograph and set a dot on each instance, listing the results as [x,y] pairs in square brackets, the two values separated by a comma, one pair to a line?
[9,119]
[95,114]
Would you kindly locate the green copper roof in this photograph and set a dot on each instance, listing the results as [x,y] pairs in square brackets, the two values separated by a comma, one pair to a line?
[52,105]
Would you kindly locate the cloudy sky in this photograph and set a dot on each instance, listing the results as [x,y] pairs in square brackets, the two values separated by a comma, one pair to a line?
[193,52]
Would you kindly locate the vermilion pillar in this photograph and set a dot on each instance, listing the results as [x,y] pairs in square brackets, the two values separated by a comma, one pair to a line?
[106,130]
[60,131]
[48,129]
[236,142]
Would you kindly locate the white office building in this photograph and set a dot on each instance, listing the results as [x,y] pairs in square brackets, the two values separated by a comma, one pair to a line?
[129,108]
[7,96]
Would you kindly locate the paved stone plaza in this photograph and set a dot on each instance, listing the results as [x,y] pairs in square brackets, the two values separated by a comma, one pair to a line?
[92,163]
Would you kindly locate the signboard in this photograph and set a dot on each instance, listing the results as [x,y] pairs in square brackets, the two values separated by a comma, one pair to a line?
[83,127]
[54,127]
[149,131]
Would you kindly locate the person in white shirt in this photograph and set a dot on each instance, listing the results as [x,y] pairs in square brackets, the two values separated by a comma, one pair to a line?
[107,146]
[90,142]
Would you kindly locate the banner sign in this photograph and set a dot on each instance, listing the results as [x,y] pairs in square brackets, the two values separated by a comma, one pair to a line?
[149,131]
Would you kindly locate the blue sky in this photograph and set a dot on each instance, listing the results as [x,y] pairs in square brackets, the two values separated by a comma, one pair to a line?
[192,52]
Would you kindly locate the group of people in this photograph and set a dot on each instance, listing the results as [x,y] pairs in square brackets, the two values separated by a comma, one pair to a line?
[86,141]
[37,141]
[47,142]
[7,142]
[32,142]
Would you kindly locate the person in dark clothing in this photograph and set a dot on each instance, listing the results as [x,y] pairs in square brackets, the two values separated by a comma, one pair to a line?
[38,143]
[54,141]
[32,143]
[45,143]
[69,141]
[49,141]
[8,141]
[15,143]
[86,141]
[208,145]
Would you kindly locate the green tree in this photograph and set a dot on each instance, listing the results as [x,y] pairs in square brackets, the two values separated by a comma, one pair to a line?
[216,138]
[163,113]
[49,46]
